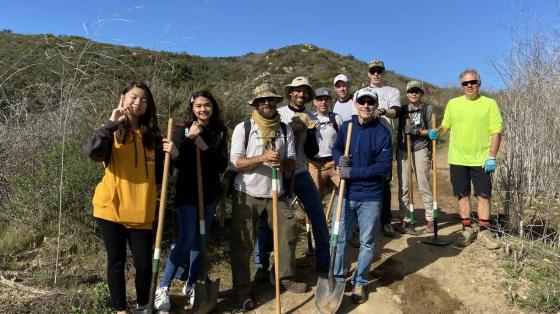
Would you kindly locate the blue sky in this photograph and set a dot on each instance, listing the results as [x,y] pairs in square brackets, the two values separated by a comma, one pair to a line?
[433,40]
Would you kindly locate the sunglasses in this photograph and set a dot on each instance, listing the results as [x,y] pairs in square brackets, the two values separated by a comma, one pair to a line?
[266,99]
[369,102]
[471,82]
[414,91]
[376,71]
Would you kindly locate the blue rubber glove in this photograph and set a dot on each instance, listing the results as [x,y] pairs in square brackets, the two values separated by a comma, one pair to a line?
[433,134]
[344,172]
[345,161]
[490,164]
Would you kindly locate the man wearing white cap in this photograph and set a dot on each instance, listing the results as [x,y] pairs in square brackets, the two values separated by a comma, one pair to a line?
[344,106]
[389,106]
[365,172]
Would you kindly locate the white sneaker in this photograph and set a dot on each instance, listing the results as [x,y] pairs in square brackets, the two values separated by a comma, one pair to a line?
[161,302]
[188,291]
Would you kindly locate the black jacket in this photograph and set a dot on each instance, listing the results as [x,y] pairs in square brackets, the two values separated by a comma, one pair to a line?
[214,162]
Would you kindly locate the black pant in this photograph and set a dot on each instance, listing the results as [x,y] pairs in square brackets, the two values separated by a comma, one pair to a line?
[115,237]
[386,206]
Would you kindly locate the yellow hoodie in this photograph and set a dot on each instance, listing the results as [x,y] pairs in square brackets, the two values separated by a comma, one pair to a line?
[127,192]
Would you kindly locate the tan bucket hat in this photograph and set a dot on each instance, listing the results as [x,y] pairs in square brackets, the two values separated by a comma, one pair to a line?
[299,81]
[264,90]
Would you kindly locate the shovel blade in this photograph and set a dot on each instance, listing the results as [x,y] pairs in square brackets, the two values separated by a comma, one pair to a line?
[436,241]
[328,295]
[206,296]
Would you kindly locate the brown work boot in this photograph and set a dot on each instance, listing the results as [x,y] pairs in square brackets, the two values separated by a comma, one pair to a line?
[488,239]
[359,294]
[293,286]
[466,236]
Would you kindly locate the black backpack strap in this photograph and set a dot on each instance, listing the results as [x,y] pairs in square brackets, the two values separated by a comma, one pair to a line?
[247,125]
[332,120]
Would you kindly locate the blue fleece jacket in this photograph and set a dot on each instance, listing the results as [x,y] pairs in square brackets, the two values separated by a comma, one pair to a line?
[371,150]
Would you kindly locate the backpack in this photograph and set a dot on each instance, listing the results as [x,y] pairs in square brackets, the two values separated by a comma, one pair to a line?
[332,120]
[231,174]
[247,126]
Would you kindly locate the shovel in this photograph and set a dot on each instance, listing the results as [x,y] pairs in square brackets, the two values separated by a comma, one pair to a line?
[161,221]
[330,292]
[275,187]
[410,229]
[434,240]
[206,289]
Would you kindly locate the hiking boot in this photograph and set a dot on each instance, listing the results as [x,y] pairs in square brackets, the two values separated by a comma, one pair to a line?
[403,226]
[245,302]
[388,230]
[430,226]
[188,291]
[161,301]
[488,239]
[140,309]
[262,275]
[293,286]
[359,294]
[466,236]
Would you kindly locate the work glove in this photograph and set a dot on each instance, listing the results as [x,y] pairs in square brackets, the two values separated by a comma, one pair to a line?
[345,161]
[344,172]
[490,164]
[302,122]
[433,134]
[379,112]
[411,130]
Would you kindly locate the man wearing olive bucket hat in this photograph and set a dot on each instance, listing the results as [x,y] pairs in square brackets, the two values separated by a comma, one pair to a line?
[268,144]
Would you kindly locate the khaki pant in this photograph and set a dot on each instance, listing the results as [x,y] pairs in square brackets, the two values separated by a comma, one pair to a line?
[245,216]
[321,173]
[421,168]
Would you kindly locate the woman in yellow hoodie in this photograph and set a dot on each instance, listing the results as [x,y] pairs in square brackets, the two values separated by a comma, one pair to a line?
[130,146]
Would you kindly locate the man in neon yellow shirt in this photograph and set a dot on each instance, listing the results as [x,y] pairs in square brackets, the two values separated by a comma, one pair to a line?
[475,124]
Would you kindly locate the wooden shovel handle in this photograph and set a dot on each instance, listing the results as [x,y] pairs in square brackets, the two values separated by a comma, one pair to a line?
[163,196]
[342,185]
[434,165]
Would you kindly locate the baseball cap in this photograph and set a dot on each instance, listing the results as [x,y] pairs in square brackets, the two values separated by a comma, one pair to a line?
[376,63]
[414,84]
[341,77]
[366,91]
[322,92]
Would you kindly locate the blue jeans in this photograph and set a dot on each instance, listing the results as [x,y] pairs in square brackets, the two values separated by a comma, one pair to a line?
[367,215]
[187,243]
[307,193]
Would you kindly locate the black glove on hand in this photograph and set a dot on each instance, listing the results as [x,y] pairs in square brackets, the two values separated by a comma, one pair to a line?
[411,130]
[344,172]
[345,161]
[379,112]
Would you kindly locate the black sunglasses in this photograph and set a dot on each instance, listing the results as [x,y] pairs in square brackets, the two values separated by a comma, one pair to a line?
[471,82]
[370,102]
[376,70]
[414,91]
[266,99]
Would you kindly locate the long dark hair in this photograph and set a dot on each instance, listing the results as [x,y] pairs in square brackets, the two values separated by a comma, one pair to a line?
[151,135]
[215,122]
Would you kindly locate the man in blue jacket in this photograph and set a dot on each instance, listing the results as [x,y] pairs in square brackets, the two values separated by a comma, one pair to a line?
[364,170]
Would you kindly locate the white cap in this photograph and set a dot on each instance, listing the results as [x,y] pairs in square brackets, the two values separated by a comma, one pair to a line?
[366,91]
[341,77]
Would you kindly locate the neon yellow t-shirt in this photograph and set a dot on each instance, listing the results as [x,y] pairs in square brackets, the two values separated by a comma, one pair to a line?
[472,123]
